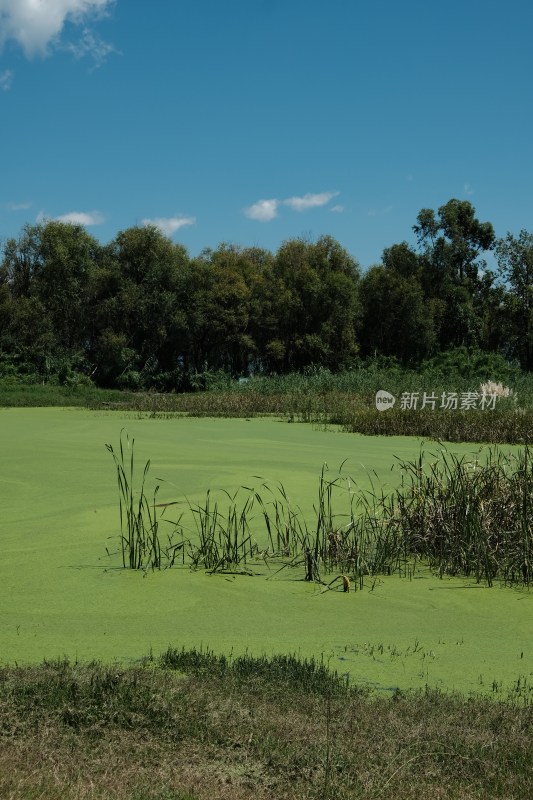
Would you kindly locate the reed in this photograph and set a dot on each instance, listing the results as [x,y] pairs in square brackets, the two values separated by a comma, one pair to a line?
[139,521]
[510,425]
[461,516]
[355,411]
[223,541]
[470,517]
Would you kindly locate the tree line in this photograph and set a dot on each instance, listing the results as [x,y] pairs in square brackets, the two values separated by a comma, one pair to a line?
[140,313]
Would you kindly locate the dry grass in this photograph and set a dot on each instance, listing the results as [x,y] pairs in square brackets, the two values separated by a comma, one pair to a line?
[507,424]
[91,732]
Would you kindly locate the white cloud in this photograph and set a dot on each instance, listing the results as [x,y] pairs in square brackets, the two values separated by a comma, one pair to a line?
[6,80]
[80,217]
[169,225]
[263,210]
[468,189]
[310,201]
[267,210]
[37,24]
[338,209]
[18,206]
[91,45]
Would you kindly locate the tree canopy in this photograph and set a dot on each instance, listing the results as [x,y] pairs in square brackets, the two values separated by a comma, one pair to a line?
[140,312]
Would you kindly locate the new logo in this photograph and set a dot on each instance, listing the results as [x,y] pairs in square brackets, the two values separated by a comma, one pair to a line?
[384,400]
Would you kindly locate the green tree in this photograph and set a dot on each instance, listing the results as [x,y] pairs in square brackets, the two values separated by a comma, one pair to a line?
[454,239]
[396,319]
[219,315]
[318,304]
[67,253]
[47,271]
[139,326]
[27,340]
[402,259]
[515,262]
[452,271]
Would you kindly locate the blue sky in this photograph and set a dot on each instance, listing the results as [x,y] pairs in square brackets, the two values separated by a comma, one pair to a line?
[255,121]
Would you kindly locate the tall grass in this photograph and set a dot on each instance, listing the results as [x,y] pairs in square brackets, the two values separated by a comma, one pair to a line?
[506,426]
[254,526]
[348,532]
[470,517]
[463,516]
[224,541]
[139,523]
[322,398]
[349,401]
[300,675]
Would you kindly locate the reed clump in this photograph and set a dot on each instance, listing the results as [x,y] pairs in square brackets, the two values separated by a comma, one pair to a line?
[470,517]
[335,403]
[462,516]
[234,533]
[140,519]
[496,388]
[506,426]
[223,540]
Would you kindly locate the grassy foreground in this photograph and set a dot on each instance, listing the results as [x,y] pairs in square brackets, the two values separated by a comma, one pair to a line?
[193,726]
[63,596]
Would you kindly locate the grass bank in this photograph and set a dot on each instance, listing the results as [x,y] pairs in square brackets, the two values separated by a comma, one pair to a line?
[193,726]
[45,395]
[321,398]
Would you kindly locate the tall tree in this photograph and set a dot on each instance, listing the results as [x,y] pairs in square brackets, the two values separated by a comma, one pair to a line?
[47,271]
[318,304]
[219,323]
[454,239]
[515,262]
[22,261]
[67,253]
[451,244]
[140,323]
[402,259]
[396,319]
